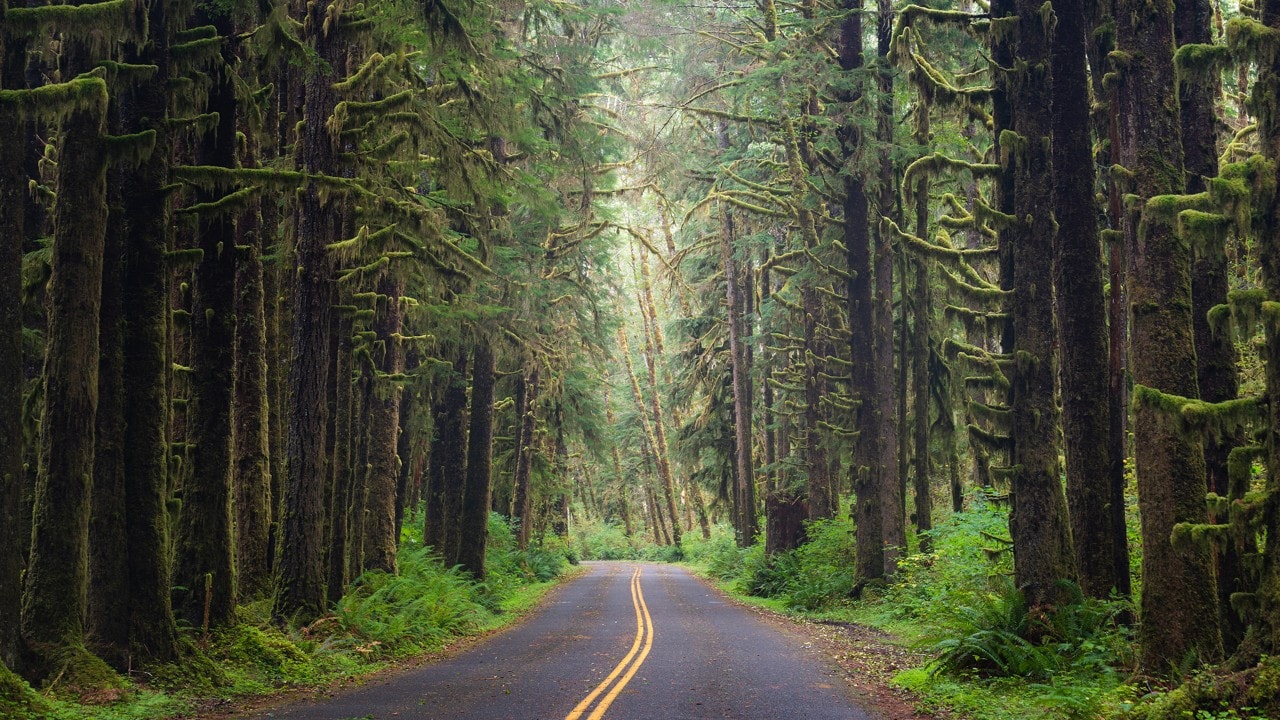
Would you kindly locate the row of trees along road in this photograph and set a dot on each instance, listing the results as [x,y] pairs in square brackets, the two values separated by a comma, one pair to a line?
[277,274]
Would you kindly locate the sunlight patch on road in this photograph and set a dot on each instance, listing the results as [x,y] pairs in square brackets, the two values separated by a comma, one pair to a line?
[629,664]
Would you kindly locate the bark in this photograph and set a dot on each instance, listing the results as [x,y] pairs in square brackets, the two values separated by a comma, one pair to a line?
[13,189]
[449,456]
[920,357]
[861,311]
[1038,520]
[147,475]
[108,596]
[526,412]
[53,602]
[343,476]
[205,554]
[1081,310]
[784,523]
[380,539]
[1216,373]
[1178,591]
[893,528]
[474,522]
[251,431]
[301,557]
[744,491]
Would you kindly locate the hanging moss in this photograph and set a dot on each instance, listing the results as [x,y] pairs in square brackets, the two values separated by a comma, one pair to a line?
[993,442]
[1198,63]
[1206,231]
[1250,40]
[1204,419]
[53,103]
[130,150]
[1187,537]
[97,25]
[235,202]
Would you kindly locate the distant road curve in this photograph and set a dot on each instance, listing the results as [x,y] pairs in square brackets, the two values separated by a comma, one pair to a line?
[624,641]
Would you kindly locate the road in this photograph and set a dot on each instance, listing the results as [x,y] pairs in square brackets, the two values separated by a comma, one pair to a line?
[624,641]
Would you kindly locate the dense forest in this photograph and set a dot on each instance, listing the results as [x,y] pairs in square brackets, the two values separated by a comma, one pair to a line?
[281,281]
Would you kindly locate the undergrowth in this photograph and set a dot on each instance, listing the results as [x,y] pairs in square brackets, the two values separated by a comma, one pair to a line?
[382,618]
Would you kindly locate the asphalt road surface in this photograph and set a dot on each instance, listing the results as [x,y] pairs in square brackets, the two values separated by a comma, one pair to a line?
[624,641]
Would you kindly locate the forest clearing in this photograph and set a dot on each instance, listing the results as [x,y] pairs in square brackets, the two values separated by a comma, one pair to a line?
[334,334]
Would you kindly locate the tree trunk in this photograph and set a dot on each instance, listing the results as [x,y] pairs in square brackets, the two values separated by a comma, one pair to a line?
[252,453]
[343,483]
[205,553]
[1038,520]
[473,525]
[1178,591]
[108,598]
[53,602]
[301,566]
[524,455]
[1216,373]
[1081,310]
[920,357]
[147,408]
[893,528]
[449,456]
[13,189]
[380,539]
[744,492]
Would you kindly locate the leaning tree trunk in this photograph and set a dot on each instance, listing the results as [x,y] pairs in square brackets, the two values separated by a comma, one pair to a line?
[473,525]
[1038,520]
[53,603]
[1081,310]
[1178,590]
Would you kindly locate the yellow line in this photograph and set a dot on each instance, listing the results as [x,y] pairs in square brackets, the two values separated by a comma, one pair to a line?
[648,645]
[637,601]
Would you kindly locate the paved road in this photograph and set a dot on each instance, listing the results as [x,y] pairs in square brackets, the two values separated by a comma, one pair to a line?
[625,641]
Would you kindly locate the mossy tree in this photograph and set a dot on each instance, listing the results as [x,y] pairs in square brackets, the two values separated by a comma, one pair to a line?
[1178,590]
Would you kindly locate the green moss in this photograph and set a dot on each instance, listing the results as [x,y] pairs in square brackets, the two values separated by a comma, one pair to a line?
[1196,62]
[18,700]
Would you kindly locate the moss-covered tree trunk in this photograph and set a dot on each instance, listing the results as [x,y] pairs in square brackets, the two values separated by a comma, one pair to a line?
[892,499]
[380,541]
[107,622]
[343,477]
[53,603]
[861,311]
[12,205]
[449,456]
[922,311]
[744,468]
[301,567]
[1038,522]
[152,632]
[473,526]
[1216,373]
[1267,107]
[204,567]
[251,430]
[1178,591]
[1081,310]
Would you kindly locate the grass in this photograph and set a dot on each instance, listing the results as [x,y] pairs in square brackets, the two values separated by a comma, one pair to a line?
[382,619]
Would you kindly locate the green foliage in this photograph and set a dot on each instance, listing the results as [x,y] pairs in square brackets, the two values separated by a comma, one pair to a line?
[421,608]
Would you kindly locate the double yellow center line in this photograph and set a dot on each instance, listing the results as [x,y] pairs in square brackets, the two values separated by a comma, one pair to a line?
[630,663]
